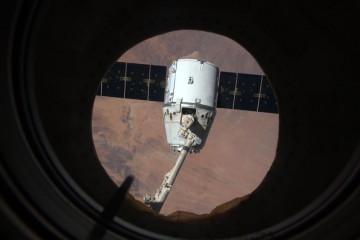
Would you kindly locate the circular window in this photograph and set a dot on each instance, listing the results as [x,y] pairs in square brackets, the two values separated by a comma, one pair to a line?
[130,137]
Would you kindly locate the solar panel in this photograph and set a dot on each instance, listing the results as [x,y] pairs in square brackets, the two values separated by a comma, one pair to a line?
[226,95]
[248,85]
[136,87]
[112,84]
[157,83]
[267,101]
[147,82]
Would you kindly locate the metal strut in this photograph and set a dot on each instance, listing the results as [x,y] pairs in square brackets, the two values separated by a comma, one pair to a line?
[158,200]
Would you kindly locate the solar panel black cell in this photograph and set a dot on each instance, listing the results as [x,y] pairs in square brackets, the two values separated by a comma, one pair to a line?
[267,98]
[137,88]
[113,88]
[226,88]
[248,86]
[156,85]
[116,71]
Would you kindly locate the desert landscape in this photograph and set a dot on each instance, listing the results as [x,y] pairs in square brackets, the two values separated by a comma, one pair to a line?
[228,55]
[129,135]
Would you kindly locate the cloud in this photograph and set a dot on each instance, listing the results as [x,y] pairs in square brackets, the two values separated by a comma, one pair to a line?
[194,55]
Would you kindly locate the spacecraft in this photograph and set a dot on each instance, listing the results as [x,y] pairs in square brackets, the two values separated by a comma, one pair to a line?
[189,110]
[191,90]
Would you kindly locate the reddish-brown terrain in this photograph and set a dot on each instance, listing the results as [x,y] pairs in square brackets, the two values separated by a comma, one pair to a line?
[222,51]
[129,135]
[130,139]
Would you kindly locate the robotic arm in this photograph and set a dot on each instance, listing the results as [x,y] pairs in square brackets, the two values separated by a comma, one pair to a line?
[158,200]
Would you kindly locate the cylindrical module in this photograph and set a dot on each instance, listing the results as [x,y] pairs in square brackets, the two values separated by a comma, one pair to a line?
[191,90]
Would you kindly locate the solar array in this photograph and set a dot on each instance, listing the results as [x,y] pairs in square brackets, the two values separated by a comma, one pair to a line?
[246,92]
[135,81]
[147,82]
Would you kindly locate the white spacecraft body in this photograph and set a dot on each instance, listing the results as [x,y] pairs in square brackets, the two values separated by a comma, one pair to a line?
[190,102]
[189,111]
